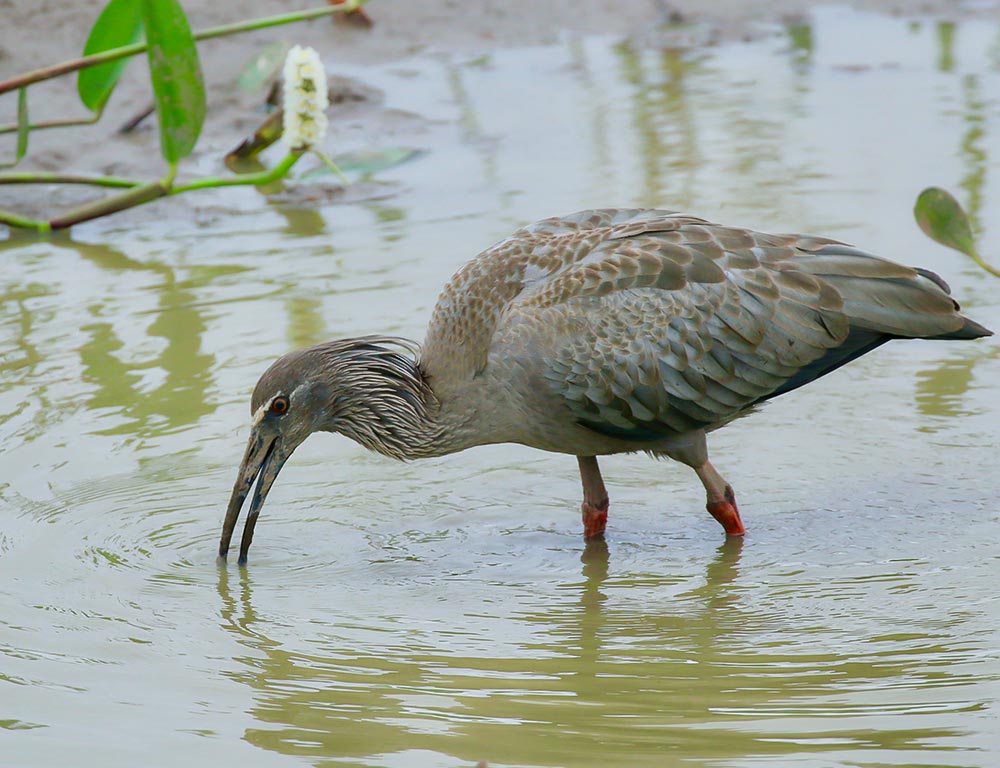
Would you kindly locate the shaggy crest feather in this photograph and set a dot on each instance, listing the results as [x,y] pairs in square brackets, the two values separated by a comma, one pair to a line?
[370,389]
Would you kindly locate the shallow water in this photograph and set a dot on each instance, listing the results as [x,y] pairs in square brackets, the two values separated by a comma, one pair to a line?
[446,612]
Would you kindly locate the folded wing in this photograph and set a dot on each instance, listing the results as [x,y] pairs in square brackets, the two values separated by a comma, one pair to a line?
[662,323]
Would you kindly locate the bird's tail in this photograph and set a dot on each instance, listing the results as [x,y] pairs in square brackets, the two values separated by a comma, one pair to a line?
[888,298]
[970,328]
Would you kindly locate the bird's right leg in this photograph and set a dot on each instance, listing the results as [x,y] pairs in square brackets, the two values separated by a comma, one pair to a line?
[595,498]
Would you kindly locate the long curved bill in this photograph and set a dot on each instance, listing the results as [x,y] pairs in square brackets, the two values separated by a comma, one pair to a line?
[263,460]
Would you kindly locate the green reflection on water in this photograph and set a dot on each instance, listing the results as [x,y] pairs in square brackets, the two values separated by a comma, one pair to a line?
[971,150]
[662,117]
[21,356]
[800,39]
[946,45]
[180,322]
[305,321]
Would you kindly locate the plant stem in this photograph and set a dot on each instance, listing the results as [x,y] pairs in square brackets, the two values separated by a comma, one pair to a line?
[168,180]
[982,263]
[332,166]
[139,193]
[45,73]
[62,123]
[247,179]
[41,177]
[104,206]
[12,220]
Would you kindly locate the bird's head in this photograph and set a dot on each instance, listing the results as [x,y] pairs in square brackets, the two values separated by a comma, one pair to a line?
[367,388]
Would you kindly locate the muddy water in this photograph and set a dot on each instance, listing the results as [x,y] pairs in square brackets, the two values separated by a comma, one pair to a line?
[446,612]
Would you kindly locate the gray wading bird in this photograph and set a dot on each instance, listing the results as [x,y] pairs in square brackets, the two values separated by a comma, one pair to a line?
[607,331]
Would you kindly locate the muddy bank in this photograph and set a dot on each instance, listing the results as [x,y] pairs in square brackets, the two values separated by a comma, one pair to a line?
[36,34]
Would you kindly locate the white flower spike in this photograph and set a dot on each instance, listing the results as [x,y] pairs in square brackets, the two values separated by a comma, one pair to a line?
[305,101]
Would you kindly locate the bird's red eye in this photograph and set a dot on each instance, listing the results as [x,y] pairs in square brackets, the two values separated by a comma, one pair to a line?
[279,405]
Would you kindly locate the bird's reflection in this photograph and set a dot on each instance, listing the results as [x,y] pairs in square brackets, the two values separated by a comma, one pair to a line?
[595,558]
[668,652]
[236,609]
[722,572]
[715,604]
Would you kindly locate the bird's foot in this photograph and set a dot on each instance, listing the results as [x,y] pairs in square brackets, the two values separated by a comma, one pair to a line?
[595,520]
[727,514]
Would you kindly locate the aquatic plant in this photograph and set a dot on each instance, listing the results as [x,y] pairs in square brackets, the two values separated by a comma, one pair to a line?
[306,99]
[942,218]
[179,102]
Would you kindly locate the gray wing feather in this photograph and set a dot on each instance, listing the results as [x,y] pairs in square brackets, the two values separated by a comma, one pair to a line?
[668,324]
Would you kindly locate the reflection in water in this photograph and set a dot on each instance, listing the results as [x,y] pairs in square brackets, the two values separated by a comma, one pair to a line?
[940,389]
[118,383]
[238,616]
[710,672]
[586,648]
[946,45]
[188,373]
[470,128]
[180,321]
[20,356]
[595,559]
[662,118]
[971,150]
[115,382]
[722,573]
[601,158]
[800,41]
[301,220]
[305,321]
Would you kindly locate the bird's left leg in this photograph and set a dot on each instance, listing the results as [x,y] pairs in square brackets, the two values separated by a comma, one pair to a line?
[595,498]
[721,498]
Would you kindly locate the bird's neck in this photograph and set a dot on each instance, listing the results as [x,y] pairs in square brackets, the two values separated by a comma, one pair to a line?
[393,410]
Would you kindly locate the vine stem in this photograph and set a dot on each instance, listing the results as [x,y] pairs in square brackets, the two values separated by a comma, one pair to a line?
[13,221]
[55,70]
[139,193]
[247,179]
[107,205]
[59,123]
[40,177]
[983,263]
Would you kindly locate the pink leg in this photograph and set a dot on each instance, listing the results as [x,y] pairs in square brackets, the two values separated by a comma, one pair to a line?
[721,500]
[595,498]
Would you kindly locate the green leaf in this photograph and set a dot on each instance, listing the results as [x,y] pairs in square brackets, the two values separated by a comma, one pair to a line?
[942,218]
[176,75]
[120,23]
[366,161]
[265,65]
[23,126]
